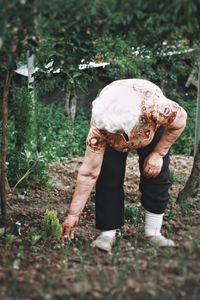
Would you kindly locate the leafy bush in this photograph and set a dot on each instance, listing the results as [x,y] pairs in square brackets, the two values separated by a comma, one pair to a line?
[57,138]
[185,143]
[58,135]
[51,225]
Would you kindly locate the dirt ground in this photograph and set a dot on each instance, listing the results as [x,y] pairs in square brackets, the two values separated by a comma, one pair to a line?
[135,270]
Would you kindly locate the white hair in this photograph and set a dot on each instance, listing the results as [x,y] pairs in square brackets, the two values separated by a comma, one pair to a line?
[116,109]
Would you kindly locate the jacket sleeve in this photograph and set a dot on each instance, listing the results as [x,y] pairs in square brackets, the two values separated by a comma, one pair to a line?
[95,141]
[165,112]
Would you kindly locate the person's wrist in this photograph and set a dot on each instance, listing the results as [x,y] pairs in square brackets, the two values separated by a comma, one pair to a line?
[159,153]
[73,214]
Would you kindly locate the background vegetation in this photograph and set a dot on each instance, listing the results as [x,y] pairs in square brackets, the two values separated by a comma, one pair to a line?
[155,40]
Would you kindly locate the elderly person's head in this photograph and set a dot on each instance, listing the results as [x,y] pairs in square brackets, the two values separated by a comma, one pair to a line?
[116,111]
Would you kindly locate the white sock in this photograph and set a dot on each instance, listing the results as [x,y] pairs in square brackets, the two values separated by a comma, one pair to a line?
[153,223]
[110,233]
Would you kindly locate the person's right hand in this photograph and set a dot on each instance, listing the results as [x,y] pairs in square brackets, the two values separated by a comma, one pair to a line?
[68,227]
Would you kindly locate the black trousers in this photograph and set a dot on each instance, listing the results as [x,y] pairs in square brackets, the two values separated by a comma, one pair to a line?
[109,198]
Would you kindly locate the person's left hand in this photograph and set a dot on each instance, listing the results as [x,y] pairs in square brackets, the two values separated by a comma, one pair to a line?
[152,165]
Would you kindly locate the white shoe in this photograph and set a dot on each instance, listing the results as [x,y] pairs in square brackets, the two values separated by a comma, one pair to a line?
[161,241]
[104,242]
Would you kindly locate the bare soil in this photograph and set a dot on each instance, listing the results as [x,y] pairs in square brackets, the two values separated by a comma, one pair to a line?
[135,270]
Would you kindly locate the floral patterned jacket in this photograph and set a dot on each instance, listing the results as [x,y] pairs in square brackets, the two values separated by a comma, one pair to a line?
[155,108]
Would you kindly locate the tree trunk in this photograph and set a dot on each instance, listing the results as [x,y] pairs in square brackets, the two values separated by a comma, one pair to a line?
[4,145]
[192,187]
[197,128]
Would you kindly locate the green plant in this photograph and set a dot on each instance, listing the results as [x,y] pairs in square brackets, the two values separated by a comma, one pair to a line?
[173,177]
[182,259]
[10,238]
[185,143]
[133,214]
[24,110]
[16,262]
[58,136]
[51,225]
[32,167]
[34,235]
[187,208]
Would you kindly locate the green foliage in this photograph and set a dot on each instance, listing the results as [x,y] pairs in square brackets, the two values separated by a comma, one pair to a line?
[175,178]
[58,136]
[133,214]
[51,225]
[135,37]
[17,31]
[185,143]
[27,168]
[34,235]
[26,165]
[23,109]
[111,31]
[188,208]
[10,238]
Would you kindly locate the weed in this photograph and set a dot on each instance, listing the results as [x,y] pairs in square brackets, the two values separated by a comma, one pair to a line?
[182,263]
[66,249]
[164,252]
[13,288]
[10,238]
[116,253]
[136,259]
[187,208]
[102,278]
[133,214]
[16,262]
[13,263]
[34,235]
[176,177]
[196,293]
[123,272]
[169,214]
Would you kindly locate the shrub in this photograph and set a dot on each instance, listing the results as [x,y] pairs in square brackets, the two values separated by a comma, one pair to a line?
[58,135]
[185,143]
[51,225]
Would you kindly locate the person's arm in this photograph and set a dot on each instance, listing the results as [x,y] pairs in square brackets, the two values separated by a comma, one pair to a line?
[171,133]
[173,117]
[87,176]
[86,179]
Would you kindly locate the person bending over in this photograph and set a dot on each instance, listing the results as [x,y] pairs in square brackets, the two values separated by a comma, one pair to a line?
[128,115]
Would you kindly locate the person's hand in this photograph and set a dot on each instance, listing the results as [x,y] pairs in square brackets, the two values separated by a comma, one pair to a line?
[68,227]
[152,165]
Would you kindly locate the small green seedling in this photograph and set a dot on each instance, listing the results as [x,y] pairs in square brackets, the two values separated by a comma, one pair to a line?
[34,235]
[51,225]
